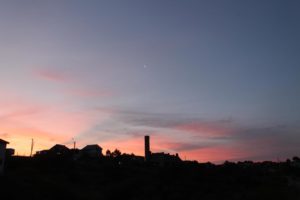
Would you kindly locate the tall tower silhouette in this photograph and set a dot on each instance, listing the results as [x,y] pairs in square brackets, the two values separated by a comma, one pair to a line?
[147,148]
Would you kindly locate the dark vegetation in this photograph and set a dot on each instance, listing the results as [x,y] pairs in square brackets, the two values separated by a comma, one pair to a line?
[118,178]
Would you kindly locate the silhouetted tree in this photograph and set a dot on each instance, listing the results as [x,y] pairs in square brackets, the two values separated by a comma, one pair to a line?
[108,153]
[296,159]
[116,153]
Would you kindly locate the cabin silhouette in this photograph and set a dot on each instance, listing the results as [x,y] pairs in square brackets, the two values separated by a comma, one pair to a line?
[92,151]
[59,150]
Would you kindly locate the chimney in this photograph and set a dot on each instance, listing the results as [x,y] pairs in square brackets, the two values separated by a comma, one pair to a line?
[147,148]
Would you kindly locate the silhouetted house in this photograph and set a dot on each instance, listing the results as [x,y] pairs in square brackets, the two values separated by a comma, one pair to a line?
[57,150]
[3,144]
[92,151]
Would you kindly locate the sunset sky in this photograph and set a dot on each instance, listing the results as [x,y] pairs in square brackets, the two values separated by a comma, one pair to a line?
[212,80]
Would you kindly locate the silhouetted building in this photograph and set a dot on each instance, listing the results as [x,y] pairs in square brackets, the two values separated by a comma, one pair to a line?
[92,151]
[147,148]
[162,158]
[3,144]
[59,149]
[55,151]
[159,158]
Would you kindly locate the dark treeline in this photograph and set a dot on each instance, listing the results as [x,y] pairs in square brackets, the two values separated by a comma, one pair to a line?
[120,177]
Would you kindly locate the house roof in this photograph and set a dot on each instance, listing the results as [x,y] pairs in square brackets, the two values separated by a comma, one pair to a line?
[3,142]
[59,147]
[91,146]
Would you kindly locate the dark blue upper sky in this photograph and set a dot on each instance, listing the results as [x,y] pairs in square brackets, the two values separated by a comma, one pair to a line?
[167,68]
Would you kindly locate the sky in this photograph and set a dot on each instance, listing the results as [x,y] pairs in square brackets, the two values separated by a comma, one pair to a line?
[212,80]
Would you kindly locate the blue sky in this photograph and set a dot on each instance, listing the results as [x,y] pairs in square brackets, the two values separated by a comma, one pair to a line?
[179,71]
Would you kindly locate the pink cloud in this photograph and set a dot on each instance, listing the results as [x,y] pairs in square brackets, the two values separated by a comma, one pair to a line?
[204,129]
[15,106]
[51,75]
[183,146]
[89,92]
[21,112]
[23,119]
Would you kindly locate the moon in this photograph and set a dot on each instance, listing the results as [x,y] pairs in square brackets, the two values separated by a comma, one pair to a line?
[145,66]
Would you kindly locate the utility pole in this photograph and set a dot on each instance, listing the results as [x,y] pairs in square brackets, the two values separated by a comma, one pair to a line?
[32,144]
[74,143]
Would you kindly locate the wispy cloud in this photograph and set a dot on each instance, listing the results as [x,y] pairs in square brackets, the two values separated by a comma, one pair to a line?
[189,135]
[86,92]
[52,75]
[19,113]
[194,135]
[184,146]
[186,123]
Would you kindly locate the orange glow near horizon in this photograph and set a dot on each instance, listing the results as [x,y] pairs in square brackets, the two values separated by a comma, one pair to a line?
[51,123]
[48,124]
[43,140]
[20,139]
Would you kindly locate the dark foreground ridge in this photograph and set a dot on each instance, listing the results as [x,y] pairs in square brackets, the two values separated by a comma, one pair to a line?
[122,178]
[63,173]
